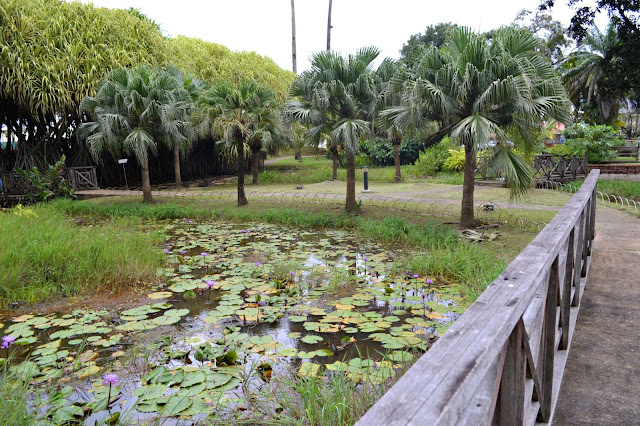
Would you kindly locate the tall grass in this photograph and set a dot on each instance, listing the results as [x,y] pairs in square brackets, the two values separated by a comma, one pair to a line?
[44,253]
[336,401]
[14,394]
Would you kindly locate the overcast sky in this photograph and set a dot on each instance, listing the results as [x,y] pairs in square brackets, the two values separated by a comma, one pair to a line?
[264,26]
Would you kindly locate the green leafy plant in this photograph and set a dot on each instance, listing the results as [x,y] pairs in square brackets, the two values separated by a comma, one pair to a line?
[593,141]
[431,161]
[455,162]
[49,183]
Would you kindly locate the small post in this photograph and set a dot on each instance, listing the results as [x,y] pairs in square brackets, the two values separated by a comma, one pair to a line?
[366,179]
[123,161]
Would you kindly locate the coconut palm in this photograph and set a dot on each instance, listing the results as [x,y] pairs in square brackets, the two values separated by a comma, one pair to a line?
[230,112]
[484,92]
[337,97]
[127,116]
[590,71]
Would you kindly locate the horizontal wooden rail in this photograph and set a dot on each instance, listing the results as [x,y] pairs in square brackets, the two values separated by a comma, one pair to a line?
[502,361]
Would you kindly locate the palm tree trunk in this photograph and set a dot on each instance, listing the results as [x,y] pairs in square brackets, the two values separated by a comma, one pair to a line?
[334,155]
[255,158]
[176,165]
[466,214]
[329,27]
[293,37]
[396,160]
[146,184]
[242,199]
[351,183]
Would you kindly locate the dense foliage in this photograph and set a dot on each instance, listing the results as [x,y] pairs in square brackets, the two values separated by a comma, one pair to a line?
[379,152]
[593,141]
[54,53]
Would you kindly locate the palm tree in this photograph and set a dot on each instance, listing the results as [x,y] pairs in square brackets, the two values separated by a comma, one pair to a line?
[177,131]
[590,73]
[337,97]
[231,111]
[127,116]
[266,133]
[479,91]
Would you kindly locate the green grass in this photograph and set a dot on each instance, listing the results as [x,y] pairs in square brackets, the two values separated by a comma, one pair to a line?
[14,396]
[46,254]
[624,188]
[312,170]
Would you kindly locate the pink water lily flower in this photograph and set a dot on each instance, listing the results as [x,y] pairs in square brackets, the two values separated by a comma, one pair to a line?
[110,379]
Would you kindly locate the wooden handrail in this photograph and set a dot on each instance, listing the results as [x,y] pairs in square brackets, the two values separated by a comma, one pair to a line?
[503,360]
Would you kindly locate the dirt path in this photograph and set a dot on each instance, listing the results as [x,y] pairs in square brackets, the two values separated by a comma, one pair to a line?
[601,384]
[402,197]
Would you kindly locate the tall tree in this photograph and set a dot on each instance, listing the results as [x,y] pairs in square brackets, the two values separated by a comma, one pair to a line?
[230,111]
[329,26]
[625,15]
[434,35]
[481,91]
[126,115]
[554,38]
[293,37]
[592,74]
[337,96]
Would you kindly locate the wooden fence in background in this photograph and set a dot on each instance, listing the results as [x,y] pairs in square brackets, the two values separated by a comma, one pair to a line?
[502,361]
[560,169]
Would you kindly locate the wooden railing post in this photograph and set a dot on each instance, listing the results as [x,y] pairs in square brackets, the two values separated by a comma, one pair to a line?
[549,340]
[577,260]
[565,310]
[511,399]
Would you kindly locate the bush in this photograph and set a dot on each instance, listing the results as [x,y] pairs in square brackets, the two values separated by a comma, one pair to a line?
[593,141]
[455,161]
[379,151]
[431,161]
[49,183]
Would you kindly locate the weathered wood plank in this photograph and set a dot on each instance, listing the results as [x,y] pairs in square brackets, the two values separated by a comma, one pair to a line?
[441,385]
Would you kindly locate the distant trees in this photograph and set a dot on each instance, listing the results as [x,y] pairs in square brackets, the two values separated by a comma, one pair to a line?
[54,53]
[592,75]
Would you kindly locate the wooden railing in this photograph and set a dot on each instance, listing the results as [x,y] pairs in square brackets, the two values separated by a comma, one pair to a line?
[82,177]
[502,361]
[560,169]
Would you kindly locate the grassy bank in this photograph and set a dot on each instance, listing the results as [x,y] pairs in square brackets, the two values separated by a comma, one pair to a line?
[46,254]
[624,188]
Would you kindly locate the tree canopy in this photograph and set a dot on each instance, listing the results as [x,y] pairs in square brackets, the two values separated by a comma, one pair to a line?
[53,54]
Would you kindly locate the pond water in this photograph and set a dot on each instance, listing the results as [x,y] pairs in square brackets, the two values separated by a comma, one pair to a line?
[240,304]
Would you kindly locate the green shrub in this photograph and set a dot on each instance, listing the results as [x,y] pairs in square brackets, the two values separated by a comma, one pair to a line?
[455,161]
[593,141]
[432,159]
[49,183]
[379,151]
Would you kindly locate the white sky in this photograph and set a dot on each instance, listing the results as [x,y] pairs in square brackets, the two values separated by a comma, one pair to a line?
[264,26]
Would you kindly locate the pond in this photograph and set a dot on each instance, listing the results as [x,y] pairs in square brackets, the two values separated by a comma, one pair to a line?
[240,307]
